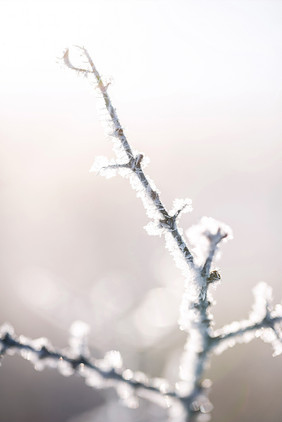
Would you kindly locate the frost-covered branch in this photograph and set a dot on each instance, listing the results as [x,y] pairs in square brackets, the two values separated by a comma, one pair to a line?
[189,396]
[264,322]
[133,163]
[102,373]
[195,318]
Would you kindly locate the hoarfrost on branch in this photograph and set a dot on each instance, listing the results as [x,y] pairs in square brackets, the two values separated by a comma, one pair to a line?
[188,398]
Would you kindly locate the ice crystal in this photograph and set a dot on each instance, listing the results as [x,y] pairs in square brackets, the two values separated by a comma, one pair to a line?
[127,374]
[181,205]
[155,397]
[95,380]
[205,236]
[139,376]
[114,359]
[153,228]
[177,254]
[145,195]
[65,368]
[104,167]
[127,395]
[263,299]
[188,308]
[162,384]
[177,412]
[6,328]
[79,331]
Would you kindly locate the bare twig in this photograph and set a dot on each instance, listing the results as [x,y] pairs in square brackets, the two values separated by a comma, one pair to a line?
[194,315]
[134,161]
[48,356]
[232,333]
[100,373]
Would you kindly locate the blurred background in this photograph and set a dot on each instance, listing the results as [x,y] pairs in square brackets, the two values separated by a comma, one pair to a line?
[197,85]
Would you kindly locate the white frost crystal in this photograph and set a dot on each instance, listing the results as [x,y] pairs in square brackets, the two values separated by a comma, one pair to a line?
[263,298]
[79,331]
[183,205]
[206,235]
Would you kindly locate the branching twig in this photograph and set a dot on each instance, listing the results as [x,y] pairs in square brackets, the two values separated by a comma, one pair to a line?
[238,332]
[102,373]
[264,322]
[195,317]
[214,240]
[189,395]
[48,356]
[134,162]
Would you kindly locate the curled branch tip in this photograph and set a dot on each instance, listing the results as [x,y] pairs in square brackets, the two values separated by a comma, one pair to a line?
[68,63]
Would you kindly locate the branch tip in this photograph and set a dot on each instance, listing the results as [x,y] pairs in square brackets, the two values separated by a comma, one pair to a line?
[68,63]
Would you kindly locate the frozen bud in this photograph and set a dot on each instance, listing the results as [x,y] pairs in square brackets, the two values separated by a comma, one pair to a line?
[213,277]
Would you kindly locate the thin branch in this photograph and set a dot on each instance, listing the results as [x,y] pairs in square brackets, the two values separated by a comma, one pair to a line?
[236,331]
[194,316]
[137,169]
[49,356]
[178,212]
[67,62]
[214,240]
[101,374]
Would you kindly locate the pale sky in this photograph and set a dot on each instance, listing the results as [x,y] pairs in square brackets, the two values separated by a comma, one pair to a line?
[211,48]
